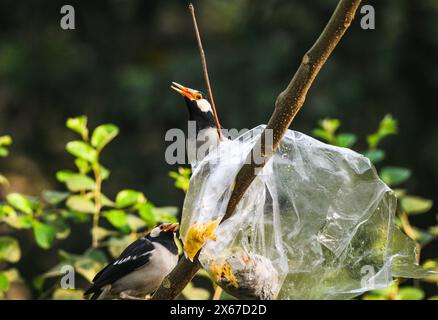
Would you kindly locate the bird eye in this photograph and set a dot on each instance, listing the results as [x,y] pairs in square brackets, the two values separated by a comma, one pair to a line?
[198,96]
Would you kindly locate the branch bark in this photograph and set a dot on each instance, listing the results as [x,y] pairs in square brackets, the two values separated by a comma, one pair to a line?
[287,105]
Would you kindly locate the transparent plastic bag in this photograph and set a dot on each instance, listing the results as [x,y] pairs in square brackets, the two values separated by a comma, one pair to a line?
[316,223]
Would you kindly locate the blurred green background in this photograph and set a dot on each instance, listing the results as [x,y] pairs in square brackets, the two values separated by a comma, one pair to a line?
[118,63]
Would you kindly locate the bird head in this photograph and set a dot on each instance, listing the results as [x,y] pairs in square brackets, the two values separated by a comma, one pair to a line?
[198,105]
[165,229]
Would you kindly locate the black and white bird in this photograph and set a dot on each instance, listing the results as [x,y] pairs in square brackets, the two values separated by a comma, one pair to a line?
[141,267]
[205,136]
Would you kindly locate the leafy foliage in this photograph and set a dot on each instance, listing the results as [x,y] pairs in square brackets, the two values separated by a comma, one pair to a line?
[5,141]
[408,204]
[49,217]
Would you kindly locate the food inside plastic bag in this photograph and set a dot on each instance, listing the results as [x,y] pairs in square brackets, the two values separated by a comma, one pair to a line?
[246,275]
[316,223]
[197,235]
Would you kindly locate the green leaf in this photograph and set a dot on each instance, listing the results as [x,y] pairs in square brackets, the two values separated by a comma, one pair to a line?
[10,217]
[90,263]
[79,182]
[103,134]
[434,230]
[54,197]
[322,134]
[388,126]
[81,204]
[126,198]
[346,140]
[61,227]
[375,156]
[64,175]
[83,166]
[415,205]
[330,125]
[410,293]
[116,245]
[431,265]
[5,140]
[102,233]
[9,249]
[399,192]
[75,216]
[371,296]
[145,211]
[135,223]
[82,150]
[78,125]
[393,176]
[422,237]
[20,202]
[106,202]
[4,282]
[44,234]
[373,140]
[117,218]
[165,214]
[104,172]
[151,214]
[182,178]
[26,222]
[4,152]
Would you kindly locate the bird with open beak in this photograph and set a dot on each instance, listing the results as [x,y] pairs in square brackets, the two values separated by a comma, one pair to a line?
[205,136]
[141,267]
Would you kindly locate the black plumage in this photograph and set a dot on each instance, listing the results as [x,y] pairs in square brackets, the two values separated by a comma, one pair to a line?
[138,257]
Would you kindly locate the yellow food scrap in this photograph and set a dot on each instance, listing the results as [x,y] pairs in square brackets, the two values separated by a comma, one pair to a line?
[197,235]
[218,271]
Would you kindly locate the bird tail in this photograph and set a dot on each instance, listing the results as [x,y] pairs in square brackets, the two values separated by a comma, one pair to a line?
[97,293]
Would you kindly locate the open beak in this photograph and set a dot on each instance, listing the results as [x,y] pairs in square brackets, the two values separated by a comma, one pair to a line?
[172,227]
[184,91]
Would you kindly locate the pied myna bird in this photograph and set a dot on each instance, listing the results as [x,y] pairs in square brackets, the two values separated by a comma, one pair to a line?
[141,267]
[201,112]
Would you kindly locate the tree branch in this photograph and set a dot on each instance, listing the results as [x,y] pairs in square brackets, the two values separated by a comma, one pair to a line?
[287,105]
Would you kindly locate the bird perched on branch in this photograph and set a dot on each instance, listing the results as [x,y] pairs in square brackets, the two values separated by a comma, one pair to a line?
[141,267]
[205,136]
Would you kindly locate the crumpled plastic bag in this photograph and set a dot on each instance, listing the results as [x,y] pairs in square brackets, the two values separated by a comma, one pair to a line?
[316,223]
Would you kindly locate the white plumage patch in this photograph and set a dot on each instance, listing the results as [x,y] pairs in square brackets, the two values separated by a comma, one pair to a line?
[155,232]
[128,258]
[203,105]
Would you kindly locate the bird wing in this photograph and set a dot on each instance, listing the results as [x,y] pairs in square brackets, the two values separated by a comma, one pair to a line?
[136,255]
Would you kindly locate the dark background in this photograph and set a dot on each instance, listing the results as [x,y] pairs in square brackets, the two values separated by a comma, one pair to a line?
[119,62]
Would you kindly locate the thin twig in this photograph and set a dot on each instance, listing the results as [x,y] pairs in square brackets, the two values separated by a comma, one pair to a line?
[287,105]
[217,293]
[205,71]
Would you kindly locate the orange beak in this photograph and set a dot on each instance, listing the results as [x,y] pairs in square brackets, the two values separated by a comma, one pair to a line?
[171,227]
[184,91]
